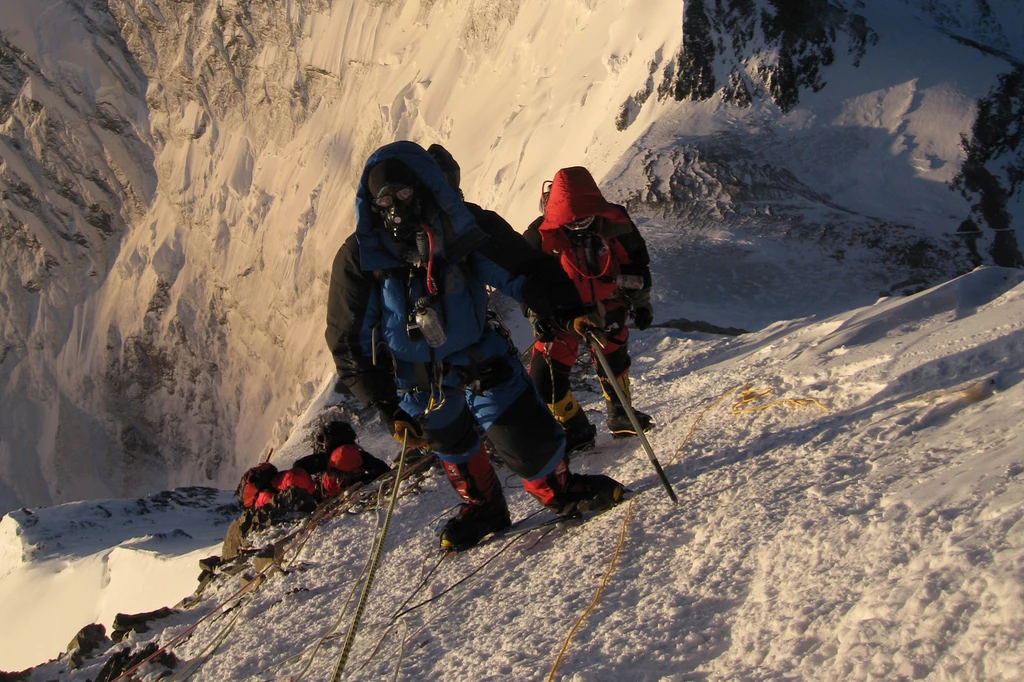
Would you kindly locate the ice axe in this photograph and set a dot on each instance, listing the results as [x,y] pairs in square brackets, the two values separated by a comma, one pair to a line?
[624,401]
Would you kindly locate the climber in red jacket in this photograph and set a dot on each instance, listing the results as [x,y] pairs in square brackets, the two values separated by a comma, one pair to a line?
[604,254]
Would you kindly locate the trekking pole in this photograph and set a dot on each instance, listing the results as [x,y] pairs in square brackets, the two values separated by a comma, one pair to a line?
[377,551]
[632,415]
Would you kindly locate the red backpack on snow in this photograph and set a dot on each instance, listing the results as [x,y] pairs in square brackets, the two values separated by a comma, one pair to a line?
[263,483]
[257,480]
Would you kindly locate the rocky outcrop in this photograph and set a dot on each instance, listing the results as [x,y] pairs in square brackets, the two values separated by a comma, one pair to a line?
[993,172]
[754,49]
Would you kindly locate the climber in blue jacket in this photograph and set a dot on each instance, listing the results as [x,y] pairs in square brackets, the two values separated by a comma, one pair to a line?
[408,327]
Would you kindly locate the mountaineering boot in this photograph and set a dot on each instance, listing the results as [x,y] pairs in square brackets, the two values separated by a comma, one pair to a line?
[484,510]
[579,432]
[592,493]
[618,421]
[621,426]
[473,522]
[566,493]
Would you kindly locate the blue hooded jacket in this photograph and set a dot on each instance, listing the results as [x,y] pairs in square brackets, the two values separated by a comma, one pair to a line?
[461,271]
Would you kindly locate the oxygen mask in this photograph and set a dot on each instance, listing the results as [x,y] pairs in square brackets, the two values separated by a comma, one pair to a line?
[398,207]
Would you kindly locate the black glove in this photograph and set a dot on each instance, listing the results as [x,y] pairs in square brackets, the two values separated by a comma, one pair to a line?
[544,331]
[642,317]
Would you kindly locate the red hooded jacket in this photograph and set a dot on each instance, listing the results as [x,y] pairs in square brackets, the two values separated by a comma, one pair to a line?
[618,248]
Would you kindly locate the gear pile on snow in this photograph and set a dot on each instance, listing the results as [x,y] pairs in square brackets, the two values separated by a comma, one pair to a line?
[267,494]
[246,553]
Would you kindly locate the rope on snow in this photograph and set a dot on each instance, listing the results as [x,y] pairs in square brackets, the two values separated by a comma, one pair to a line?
[746,397]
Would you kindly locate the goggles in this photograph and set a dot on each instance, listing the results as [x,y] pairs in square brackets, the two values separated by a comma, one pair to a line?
[389,193]
[581,224]
[545,194]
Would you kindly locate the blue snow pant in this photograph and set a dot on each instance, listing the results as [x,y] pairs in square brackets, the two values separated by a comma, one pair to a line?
[506,405]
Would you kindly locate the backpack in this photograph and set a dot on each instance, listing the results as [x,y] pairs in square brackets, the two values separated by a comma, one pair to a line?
[346,466]
[294,478]
[254,481]
[289,492]
[296,492]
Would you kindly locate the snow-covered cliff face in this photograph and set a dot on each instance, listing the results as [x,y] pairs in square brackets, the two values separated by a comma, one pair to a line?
[750,53]
[216,144]
[114,364]
[993,24]
[746,50]
[76,170]
[762,50]
[206,337]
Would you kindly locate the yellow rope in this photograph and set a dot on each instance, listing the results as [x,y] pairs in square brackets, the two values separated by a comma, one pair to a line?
[747,396]
[696,421]
[597,595]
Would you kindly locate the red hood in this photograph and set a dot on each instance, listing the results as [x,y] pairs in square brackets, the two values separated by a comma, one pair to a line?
[575,195]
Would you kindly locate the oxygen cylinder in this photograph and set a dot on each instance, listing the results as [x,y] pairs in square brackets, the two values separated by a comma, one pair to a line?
[630,282]
[429,323]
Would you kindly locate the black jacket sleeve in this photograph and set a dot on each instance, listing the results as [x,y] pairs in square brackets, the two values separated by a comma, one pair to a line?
[347,303]
[636,249]
[548,291]
[532,234]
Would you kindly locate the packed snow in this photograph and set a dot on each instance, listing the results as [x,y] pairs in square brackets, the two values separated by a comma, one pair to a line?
[851,501]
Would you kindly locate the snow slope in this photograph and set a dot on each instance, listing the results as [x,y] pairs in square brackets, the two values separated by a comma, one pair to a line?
[862,520]
[84,562]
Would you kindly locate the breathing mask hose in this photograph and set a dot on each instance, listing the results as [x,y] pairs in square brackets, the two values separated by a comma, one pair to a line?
[425,242]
